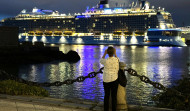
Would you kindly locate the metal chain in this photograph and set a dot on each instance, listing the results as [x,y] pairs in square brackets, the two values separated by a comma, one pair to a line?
[130,71]
[58,83]
[82,78]
[154,84]
[146,79]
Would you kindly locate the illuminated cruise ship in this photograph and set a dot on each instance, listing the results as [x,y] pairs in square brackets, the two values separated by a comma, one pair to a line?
[136,24]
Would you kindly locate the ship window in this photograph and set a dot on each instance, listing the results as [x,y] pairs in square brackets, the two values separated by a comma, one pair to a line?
[154,33]
[94,25]
[171,33]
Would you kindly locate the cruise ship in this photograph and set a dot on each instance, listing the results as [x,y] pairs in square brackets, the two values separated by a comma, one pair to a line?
[136,24]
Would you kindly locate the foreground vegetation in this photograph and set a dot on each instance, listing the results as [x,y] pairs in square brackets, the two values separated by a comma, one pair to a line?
[12,87]
[171,99]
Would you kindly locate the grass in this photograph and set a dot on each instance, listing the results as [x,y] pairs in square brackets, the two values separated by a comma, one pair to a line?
[12,87]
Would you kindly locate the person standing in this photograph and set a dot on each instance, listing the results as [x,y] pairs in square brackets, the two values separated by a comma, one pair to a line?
[110,76]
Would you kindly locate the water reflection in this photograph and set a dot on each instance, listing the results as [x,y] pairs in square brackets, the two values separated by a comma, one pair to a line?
[160,64]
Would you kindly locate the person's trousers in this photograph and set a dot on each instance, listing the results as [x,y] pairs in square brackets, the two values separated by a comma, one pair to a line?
[110,87]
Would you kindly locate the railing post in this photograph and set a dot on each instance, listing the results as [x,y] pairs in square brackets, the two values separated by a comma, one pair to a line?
[121,92]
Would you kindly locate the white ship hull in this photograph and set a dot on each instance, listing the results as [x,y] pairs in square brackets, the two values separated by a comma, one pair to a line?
[107,40]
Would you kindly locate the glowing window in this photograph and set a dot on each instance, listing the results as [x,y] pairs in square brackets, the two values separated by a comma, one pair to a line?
[94,25]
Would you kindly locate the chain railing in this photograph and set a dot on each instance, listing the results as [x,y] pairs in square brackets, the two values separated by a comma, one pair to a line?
[57,83]
[130,71]
[145,79]
[71,81]
[157,85]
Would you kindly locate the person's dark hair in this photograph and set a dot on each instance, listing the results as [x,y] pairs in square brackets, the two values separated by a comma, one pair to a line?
[110,51]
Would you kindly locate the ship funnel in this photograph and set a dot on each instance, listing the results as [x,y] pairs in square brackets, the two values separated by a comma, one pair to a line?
[103,4]
[103,1]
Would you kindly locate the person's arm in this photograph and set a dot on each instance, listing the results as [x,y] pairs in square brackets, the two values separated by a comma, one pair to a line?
[102,60]
[115,52]
[104,54]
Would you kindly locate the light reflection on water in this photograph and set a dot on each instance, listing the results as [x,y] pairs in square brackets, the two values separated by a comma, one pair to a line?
[161,64]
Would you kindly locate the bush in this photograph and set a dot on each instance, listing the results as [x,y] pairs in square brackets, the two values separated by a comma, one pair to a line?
[12,87]
[171,99]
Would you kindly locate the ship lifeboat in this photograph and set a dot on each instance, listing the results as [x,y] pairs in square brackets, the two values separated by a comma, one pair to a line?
[39,33]
[68,33]
[139,33]
[58,33]
[117,33]
[48,33]
[31,33]
[97,33]
[128,33]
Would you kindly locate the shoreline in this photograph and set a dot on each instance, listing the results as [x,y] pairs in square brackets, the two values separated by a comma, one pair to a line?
[54,104]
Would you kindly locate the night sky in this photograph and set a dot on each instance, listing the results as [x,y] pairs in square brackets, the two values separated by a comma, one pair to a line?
[180,9]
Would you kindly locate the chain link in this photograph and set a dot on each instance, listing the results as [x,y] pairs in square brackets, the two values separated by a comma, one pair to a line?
[58,83]
[146,79]
[157,85]
[130,71]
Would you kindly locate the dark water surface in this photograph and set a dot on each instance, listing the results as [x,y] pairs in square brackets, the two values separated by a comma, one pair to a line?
[160,64]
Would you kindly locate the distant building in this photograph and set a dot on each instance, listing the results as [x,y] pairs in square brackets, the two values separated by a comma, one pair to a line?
[9,36]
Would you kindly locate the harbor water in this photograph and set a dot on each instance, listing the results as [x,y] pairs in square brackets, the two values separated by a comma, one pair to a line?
[161,64]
